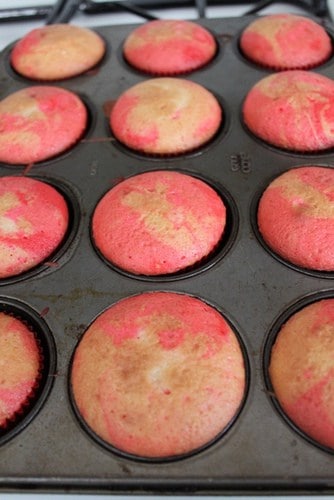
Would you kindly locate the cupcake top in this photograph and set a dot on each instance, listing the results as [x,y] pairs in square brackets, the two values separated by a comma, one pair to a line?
[286,41]
[166,222]
[165,116]
[169,47]
[158,375]
[292,110]
[33,222]
[38,123]
[20,367]
[296,217]
[302,370]
[56,52]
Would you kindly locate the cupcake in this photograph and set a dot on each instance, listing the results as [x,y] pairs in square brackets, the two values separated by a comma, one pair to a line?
[158,223]
[296,217]
[158,375]
[302,370]
[38,123]
[293,110]
[169,47]
[285,42]
[33,222]
[165,116]
[20,365]
[56,52]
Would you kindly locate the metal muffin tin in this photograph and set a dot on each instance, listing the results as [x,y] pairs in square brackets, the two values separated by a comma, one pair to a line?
[261,451]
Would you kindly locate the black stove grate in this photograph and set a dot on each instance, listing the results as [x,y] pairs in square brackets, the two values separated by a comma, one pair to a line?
[64,10]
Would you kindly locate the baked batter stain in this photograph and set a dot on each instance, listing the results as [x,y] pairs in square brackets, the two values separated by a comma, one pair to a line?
[305,199]
[224,38]
[76,294]
[27,168]
[108,106]
[125,469]
[44,312]
[75,330]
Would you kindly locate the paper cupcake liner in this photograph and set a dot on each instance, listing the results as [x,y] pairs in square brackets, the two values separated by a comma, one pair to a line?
[27,404]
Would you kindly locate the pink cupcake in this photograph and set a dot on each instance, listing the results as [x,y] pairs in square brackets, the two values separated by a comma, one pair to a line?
[158,375]
[56,52]
[165,116]
[296,217]
[20,363]
[34,219]
[159,223]
[302,370]
[169,47]
[293,110]
[38,123]
[286,41]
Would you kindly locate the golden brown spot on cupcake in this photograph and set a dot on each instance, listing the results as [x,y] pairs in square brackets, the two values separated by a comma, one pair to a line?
[290,87]
[23,105]
[12,255]
[12,347]
[162,98]
[23,138]
[144,369]
[160,32]
[157,214]
[269,30]
[24,225]
[305,199]
[7,202]
[142,364]
[327,395]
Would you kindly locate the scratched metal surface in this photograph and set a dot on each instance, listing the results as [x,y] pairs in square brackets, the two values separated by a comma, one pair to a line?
[260,452]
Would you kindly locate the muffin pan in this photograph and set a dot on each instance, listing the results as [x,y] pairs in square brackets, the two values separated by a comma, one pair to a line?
[261,451]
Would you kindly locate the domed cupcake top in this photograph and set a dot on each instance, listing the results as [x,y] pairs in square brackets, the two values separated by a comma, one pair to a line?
[166,222]
[169,47]
[38,123]
[158,375]
[34,219]
[286,41]
[165,116]
[296,217]
[292,110]
[20,366]
[302,370]
[57,52]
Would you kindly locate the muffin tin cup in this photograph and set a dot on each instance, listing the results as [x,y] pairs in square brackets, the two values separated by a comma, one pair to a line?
[254,65]
[61,253]
[218,253]
[274,331]
[260,453]
[46,345]
[26,169]
[254,210]
[31,81]
[165,460]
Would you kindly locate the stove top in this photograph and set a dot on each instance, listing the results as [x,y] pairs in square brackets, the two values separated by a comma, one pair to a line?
[24,15]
